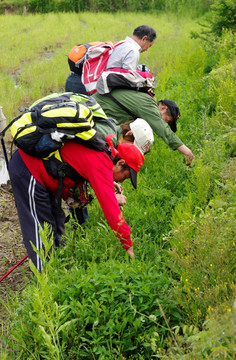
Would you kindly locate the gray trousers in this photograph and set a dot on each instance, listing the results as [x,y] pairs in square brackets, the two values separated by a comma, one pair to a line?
[35,206]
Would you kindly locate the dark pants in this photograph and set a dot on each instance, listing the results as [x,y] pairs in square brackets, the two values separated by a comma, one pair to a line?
[80,215]
[35,206]
[74,84]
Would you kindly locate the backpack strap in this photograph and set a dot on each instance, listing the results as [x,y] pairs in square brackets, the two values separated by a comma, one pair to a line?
[64,169]
[58,170]
[123,107]
[109,122]
[4,151]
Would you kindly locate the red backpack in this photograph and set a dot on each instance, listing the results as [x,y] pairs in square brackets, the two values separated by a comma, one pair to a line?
[95,63]
[77,54]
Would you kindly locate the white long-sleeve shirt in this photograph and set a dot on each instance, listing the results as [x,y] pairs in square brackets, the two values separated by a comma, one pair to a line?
[125,56]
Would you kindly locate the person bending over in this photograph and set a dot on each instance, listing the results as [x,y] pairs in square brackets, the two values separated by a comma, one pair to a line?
[35,190]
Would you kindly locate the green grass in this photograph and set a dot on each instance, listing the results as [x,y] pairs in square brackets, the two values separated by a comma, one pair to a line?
[91,301]
[34,48]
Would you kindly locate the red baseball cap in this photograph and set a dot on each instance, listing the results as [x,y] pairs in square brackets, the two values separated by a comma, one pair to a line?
[131,154]
[133,158]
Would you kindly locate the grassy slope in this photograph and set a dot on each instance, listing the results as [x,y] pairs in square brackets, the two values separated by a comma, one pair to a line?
[191,208]
[35,47]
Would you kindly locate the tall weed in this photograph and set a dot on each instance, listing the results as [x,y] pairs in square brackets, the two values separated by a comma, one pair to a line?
[202,242]
[215,341]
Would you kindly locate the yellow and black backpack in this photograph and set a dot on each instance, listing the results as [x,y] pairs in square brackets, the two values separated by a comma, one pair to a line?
[51,121]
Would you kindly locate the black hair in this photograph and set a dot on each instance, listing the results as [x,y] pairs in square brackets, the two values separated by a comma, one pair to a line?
[124,166]
[145,30]
[168,112]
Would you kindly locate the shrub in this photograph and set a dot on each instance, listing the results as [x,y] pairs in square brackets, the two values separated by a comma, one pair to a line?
[218,32]
[202,255]
[108,310]
[224,16]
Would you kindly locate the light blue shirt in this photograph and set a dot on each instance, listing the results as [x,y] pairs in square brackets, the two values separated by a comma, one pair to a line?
[125,56]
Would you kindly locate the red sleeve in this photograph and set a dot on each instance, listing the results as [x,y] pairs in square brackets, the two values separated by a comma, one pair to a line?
[97,168]
[103,185]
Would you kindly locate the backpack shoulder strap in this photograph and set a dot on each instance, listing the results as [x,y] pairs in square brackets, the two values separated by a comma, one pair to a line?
[123,107]
[110,122]
[58,169]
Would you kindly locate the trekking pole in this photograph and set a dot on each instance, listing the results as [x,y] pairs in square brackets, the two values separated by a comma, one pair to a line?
[4,151]
[15,266]
[2,132]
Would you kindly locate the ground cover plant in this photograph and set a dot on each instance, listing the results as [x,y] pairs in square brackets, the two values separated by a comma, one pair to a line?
[91,301]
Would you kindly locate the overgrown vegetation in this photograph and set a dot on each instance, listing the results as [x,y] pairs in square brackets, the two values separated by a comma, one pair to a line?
[176,299]
[215,28]
[110,6]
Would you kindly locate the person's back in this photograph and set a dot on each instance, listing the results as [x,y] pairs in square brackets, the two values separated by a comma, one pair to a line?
[108,127]
[126,55]
[35,190]
[142,105]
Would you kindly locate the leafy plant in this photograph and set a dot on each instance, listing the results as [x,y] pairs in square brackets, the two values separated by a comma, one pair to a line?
[224,16]
[101,311]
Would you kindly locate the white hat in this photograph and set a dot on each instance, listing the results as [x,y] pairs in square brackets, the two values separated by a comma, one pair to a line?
[143,135]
